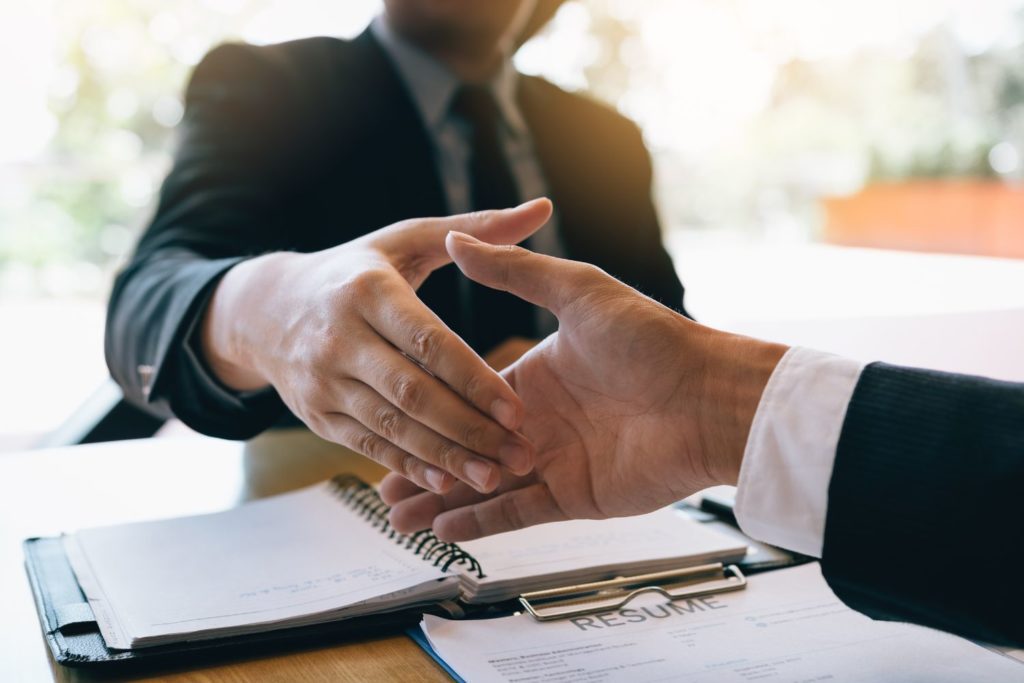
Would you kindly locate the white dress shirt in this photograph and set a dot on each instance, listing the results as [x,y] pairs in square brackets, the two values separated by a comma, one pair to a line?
[782,496]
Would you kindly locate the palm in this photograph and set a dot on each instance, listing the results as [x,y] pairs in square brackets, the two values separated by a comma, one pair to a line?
[615,405]
[600,426]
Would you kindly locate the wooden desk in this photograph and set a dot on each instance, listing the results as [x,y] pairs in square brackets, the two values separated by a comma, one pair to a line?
[44,493]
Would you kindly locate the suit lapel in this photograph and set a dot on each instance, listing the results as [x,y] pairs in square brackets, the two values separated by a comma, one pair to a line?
[554,145]
[400,155]
[401,144]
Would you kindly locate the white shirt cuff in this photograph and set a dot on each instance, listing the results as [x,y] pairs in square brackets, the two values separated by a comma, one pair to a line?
[782,496]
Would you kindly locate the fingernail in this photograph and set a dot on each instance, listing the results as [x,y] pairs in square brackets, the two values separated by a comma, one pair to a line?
[505,413]
[435,479]
[479,473]
[515,456]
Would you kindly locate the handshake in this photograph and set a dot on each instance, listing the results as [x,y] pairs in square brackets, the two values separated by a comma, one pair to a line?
[628,407]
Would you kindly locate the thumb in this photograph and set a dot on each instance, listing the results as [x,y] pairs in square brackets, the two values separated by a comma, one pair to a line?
[417,247]
[542,280]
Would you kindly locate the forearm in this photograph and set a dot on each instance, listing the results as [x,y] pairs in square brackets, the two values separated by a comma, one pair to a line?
[924,500]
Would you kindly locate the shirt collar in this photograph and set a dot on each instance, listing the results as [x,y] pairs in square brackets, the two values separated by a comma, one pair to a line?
[432,85]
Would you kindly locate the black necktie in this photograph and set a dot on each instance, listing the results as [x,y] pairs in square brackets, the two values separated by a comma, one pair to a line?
[493,316]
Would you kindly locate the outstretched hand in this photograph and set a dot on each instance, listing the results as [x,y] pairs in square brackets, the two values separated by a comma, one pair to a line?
[630,405]
[342,336]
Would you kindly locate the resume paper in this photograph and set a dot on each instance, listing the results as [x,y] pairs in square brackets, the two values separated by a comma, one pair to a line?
[786,626]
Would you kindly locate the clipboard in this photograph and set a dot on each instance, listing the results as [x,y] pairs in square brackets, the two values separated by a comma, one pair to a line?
[613,594]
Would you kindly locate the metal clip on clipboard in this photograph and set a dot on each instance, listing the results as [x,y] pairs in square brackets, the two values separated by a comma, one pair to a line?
[603,596]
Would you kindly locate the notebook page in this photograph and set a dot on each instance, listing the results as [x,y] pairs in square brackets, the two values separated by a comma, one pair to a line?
[271,560]
[579,545]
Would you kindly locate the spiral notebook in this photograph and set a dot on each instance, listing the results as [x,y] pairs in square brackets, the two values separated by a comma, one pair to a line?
[326,553]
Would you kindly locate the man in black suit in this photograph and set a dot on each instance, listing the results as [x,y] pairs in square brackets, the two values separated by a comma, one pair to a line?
[906,483]
[266,285]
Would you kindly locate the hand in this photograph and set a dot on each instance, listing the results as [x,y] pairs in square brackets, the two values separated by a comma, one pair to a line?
[508,352]
[630,405]
[354,353]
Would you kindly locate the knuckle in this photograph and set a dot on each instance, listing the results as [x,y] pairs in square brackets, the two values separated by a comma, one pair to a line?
[506,256]
[345,435]
[446,456]
[393,459]
[365,283]
[425,343]
[406,465]
[317,357]
[359,405]
[474,435]
[324,382]
[475,389]
[407,392]
[588,272]
[315,420]
[387,422]
[369,444]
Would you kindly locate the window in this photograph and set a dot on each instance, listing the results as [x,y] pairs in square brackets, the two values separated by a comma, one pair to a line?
[782,122]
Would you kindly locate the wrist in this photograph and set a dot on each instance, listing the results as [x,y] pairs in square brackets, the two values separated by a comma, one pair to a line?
[232,329]
[735,372]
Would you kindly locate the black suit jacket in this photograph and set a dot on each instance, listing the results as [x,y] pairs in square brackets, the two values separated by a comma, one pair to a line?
[925,515]
[305,145]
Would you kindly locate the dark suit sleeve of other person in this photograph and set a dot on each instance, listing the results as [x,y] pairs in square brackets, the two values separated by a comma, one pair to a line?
[925,517]
[221,202]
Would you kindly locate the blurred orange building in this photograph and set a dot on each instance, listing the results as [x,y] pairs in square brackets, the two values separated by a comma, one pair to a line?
[956,216]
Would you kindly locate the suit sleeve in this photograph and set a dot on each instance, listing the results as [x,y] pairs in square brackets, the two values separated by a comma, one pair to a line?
[925,521]
[220,203]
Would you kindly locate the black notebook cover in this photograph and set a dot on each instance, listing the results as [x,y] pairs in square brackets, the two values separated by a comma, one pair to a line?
[74,637]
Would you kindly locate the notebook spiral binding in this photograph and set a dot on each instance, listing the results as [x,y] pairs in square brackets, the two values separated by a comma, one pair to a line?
[365,500]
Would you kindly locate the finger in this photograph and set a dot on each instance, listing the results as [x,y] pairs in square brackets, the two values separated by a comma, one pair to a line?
[384,419]
[395,488]
[416,247]
[348,432]
[468,382]
[418,511]
[542,280]
[509,511]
